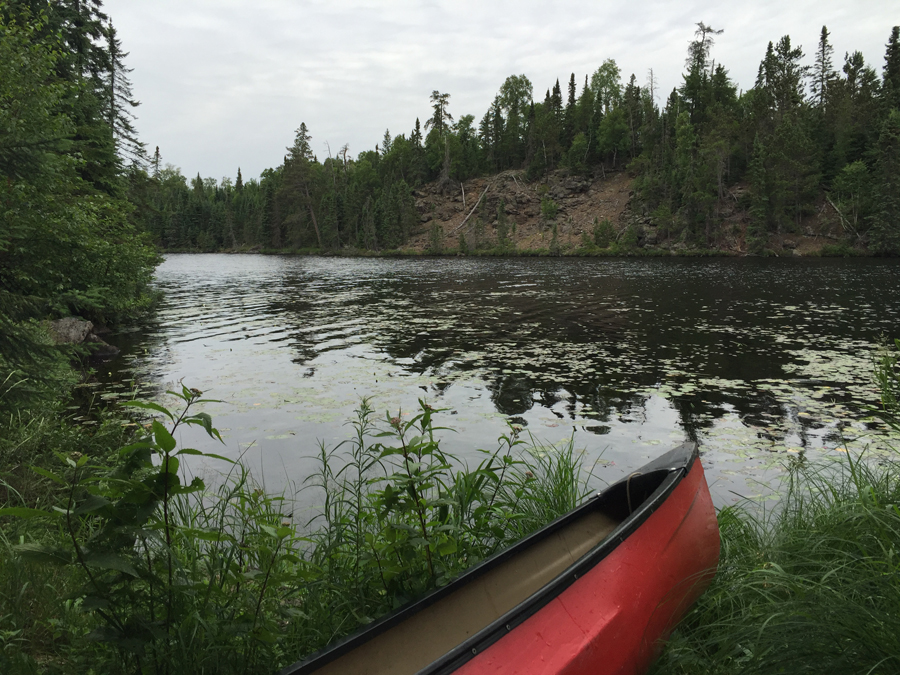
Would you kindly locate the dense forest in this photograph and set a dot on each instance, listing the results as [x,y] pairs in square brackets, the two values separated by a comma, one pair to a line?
[70,239]
[803,135]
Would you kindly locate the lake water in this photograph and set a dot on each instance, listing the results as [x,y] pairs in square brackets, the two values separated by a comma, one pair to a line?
[758,360]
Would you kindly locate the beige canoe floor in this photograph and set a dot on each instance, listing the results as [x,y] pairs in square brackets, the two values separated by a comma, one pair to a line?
[421,639]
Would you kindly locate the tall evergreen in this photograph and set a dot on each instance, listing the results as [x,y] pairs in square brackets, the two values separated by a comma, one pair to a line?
[891,85]
[120,101]
[885,229]
[823,71]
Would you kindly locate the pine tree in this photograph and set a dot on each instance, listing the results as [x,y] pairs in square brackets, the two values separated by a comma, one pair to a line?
[157,159]
[891,83]
[120,101]
[569,114]
[823,71]
[695,91]
[299,168]
[556,102]
[441,119]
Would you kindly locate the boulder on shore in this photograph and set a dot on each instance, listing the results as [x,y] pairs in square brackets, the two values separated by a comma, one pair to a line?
[75,331]
[70,331]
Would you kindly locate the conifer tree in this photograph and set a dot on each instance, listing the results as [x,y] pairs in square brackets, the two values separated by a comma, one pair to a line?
[120,101]
[823,71]
[885,230]
[441,118]
[569,114]
[155,162]
[556,102]
[891,83]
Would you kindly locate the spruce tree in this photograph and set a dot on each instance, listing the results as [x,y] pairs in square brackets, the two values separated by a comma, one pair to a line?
[823,71]
[569,114]
[120,101]
[891,83]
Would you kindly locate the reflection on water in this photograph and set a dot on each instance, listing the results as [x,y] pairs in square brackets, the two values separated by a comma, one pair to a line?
[758,360]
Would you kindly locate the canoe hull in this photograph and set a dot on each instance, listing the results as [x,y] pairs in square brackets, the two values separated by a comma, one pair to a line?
[614,618]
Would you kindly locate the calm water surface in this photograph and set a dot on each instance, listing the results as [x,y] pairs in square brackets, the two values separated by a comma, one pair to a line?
[758,360]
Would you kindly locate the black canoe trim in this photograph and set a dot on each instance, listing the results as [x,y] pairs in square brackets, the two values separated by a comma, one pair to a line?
[649,487]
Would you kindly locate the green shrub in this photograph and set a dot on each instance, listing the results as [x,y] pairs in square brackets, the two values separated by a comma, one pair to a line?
[549,209]
[604,233]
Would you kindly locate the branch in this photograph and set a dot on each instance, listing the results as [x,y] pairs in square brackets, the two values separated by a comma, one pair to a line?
[473,210]
[844,222]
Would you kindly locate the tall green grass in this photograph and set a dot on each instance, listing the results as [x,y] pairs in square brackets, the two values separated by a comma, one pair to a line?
[813,586]
[120,566]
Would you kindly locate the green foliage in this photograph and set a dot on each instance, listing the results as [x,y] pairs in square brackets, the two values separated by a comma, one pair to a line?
[885,220]
[631,236]
[811,588]
[169,572]
[463,246]
[554,239]
[436,238]
[134,569]
[852,190]
[887,377]
[65,247]
[549,209]
[604,233]
[577,154]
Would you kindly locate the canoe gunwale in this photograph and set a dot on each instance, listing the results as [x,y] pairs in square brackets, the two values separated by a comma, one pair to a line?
[666,472]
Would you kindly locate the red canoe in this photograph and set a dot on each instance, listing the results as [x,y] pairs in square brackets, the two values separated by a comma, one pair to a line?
[594,592]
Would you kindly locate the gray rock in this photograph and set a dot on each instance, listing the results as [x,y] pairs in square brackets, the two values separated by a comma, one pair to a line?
[70,331]
[100,348]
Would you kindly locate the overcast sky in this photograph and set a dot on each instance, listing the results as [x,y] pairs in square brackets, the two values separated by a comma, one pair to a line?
[224,83]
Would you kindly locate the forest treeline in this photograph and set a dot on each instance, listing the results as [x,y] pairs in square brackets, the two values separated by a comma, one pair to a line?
[803,135]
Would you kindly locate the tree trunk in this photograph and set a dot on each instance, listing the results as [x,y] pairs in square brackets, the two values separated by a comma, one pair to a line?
[312,214]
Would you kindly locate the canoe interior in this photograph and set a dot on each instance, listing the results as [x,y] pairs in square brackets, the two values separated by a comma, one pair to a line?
[505,588]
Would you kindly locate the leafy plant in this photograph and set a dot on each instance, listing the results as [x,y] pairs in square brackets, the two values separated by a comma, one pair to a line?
[161,569]
[549,209]
[167,575]
[604,233]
